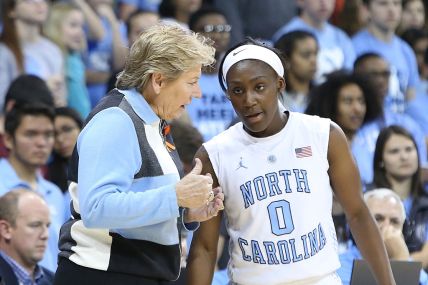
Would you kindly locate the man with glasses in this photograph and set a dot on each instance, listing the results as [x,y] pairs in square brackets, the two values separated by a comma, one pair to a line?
[374,67]
[29,137]
[212,113]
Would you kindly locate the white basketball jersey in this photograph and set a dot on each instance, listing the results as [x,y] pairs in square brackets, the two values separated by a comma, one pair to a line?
[278,202]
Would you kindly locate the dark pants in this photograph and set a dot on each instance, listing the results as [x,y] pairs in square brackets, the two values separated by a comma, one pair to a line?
[69,273]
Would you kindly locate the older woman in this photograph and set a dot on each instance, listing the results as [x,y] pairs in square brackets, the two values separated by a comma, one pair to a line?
[126,189]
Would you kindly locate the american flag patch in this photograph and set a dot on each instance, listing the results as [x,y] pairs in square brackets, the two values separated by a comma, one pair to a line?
[305,151]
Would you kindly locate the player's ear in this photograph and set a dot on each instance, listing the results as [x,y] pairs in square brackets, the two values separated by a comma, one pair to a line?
[280,84]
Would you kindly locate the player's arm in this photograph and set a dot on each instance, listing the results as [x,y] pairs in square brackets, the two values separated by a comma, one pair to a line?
[345,181]
[203,251]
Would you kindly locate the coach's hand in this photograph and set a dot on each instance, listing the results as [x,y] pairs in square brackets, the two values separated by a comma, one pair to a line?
[207,211]
[194,190]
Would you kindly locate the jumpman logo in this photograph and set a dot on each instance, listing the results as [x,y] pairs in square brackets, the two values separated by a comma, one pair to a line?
[241,165]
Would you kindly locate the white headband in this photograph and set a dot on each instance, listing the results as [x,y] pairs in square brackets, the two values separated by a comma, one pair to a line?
[252,52]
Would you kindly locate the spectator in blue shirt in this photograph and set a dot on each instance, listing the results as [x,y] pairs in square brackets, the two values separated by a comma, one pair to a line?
[335,47]
[17,94]
[377,69]
[24,222]
[212,113]
[380,37]
[29,136]
[347,99]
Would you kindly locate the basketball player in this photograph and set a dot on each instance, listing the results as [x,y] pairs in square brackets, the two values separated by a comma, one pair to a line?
[277,170]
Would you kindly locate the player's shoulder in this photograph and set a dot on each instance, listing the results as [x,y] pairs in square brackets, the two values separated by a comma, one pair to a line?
[233,132]
[311,122]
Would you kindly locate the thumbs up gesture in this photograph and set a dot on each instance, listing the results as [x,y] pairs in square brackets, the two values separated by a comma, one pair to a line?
[207,211]
[194,190]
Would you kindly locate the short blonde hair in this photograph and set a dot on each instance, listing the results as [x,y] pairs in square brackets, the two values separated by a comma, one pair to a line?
[167,49]
[53,26]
